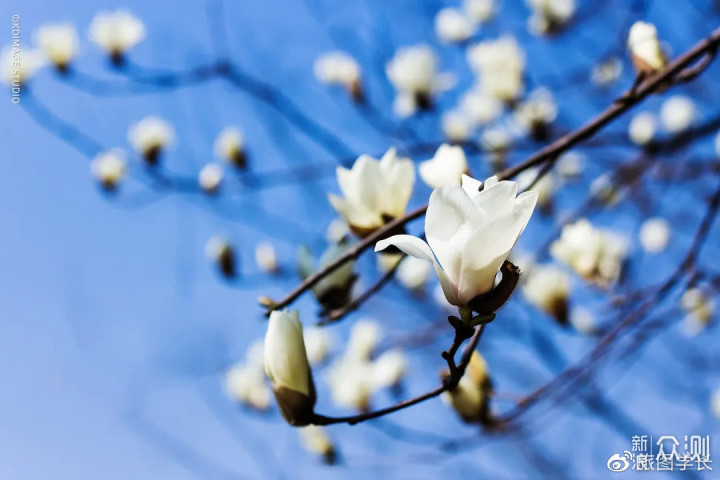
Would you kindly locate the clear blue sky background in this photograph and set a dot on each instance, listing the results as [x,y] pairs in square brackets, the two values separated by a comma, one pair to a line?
[115,331]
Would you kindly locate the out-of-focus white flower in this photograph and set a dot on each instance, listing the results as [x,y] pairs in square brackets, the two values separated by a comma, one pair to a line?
[583,320]
[210,178]
[456,126]
[605,189]
[255,354]
[496,141]
[536,113]
[389,368]
[480,107]
[339,68]
[452,26]
[59,43]
[470,234]
[413,73]
[654,234]
[221,251]
[470,397]
[388,261]
[18,66]
[364,339]
[316,440]
[642,128]
[318,342]
[700,309]
[376,192]
[645,48]
[545,187]
[337,230]
[445,168]
[677,113]
[246,384]
[413,273]
[570,164]
[265,257]
[479,11]
[549,16]
[715,403]
[500,64]
[596,255]
[116,32]
[351,383]
[229,146]
[109,168]
[333,290]
[547,287]
[606,72]
[150,136]
[286,364]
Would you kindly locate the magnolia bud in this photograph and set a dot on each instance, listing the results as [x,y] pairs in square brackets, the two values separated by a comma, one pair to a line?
[470,397]
[647,56]
[654,234]
[316,440]
[221,251]
[116,32]
[265,257]
[547,288]
[210,178]
[286,364]
[109,168]
[229,147]
[150,137]
[59,43]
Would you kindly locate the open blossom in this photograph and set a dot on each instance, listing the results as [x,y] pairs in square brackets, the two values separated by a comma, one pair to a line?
[548,16]
[413,73]
[500,64]
[18,67]
[654,234]
[470,234]
[116,32]
[642,128]
[109,168]
[222,253]
[210,178]
[333,291]
[536,113]
[229,147]
[287,365]
[453,26]
[595,254]
[647,55]
[445,168]
[547,287]
[339,68]
[150,137]
[59,43]
[677,113]
[376,192]
[470,397]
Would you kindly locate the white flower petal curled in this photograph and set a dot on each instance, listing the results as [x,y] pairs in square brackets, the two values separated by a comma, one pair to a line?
[116,31]
[470,234]
[645,48]
[445,168]
[374,191]
[58,42]
[677,113]
[452,26]
[654,234]
[286,361]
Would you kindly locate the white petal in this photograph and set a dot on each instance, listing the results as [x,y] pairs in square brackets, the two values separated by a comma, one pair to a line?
[470,185]
[496,198]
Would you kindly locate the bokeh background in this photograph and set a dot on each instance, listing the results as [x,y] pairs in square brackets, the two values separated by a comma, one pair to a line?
[116,331]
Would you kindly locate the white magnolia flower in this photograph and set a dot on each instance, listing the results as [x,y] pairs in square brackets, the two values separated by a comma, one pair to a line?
[440,299]
[606,189]
[456,127]
[265,257]
[545,187]
[647,55]
[452,26]
[109,168]
[583,321]
[699,308]
[59,43]
[480,107]
[150,136]
[548,16]
[376,192]
[445,168]
[677,113]
[220,251]
[352,383]
[547,287]
[116,32]
[413,273]
[570,164]
[496,141]
[339,68]
[337,229]
[536,113]
[500,64]
[470,397]
[364,339]
[229,147]
[334,289]
[389,368]
[286,364]
[606,72]
[210,178]
[642,128]
[316,440]
[654,234]
[318,343]
[413,73]
[470,234]
[596,255]
[246,384]
[479,11]
[17,66]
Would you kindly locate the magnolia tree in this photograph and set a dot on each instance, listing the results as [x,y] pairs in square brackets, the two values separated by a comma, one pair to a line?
[462,224]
